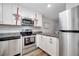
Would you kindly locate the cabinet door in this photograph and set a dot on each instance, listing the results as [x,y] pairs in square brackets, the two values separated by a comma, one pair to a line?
[14,47]
[4,48]
[53,46]
[38,20]
[8,17]
[38,39]
[0,13]
[50,46]
[18,11]
[26,13]
[44,43]
[40,44]
[9,14]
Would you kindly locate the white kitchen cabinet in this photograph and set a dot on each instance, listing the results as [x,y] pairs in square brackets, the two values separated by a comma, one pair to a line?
[19,21]
[36,17]
[40,41]
[10,47]
[38,37]
[26,13]
[53,46]
[14,47]
[4,48]
[44,42]
[0,13]
[41,44]
[9,12]
[38,20]
[49,44]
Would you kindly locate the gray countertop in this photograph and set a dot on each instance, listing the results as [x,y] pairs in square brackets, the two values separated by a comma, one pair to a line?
[49,35]
[9,34]
[46,34]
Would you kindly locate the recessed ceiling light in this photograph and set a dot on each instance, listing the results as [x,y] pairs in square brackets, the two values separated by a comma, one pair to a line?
[49,5]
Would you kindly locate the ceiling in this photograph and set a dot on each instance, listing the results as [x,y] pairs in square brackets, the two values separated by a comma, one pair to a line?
[51,12]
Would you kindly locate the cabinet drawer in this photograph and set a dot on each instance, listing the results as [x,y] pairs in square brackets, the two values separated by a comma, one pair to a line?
[4,48]
[14,47]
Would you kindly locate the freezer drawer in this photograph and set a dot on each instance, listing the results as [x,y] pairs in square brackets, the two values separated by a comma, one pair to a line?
[69,44]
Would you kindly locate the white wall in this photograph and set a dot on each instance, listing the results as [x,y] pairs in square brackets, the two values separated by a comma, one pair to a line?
[70,5]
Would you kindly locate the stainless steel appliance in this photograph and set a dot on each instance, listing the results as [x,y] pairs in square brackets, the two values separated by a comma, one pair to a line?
[27,22]
[69,32]
[10,44]
[28,41]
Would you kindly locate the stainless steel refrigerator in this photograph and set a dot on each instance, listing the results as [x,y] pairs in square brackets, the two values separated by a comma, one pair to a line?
[69,32]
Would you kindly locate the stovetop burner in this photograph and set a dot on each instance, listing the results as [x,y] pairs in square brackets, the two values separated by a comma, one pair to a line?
[26,33]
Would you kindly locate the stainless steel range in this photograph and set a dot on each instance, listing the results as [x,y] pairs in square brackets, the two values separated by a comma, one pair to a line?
[28,41]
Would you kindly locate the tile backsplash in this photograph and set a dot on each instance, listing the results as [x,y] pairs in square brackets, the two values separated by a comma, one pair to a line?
[9,29]
[50,27]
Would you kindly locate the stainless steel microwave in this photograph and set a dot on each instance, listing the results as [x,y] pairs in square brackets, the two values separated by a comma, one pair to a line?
[27,22]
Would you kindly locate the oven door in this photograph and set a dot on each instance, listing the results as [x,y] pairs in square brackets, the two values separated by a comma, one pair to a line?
[28,41]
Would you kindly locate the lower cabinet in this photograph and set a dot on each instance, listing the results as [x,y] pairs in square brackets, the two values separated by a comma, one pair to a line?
[43,43]
[37,39]
[14,47]
[49,44]
[10,47]
[4,48]
[53,46]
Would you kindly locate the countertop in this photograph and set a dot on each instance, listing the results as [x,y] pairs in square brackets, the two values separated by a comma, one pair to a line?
[49,35]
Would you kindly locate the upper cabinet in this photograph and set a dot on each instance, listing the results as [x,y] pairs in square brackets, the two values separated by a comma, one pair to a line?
[38,20]
[36,17]
[26,13]
[0,13]
[11,14]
